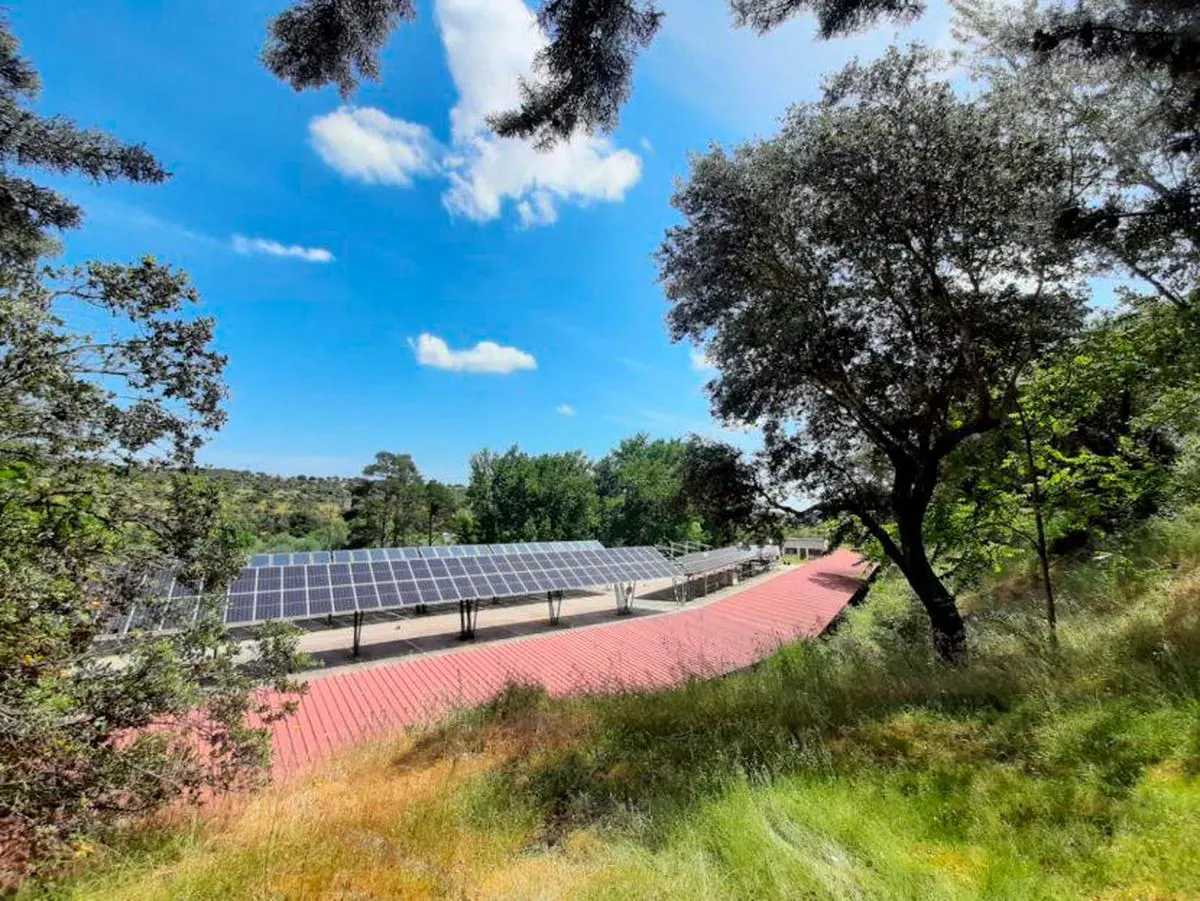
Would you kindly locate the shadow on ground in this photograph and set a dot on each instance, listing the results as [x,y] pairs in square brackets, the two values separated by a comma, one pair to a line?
[401,648]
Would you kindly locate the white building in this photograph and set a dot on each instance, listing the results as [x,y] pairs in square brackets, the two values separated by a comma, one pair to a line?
[807,548]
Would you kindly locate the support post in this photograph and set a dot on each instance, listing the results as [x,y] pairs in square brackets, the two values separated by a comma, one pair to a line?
[554,601]
[679,590]
[468,615]
[624,592]
[358,624]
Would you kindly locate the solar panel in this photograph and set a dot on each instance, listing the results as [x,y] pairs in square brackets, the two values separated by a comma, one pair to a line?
[240,609]
[303,558]
[352,582]
[722,558]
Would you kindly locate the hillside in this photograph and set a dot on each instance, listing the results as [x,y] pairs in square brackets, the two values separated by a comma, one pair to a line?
[853,767]
[302,489]
[284,513]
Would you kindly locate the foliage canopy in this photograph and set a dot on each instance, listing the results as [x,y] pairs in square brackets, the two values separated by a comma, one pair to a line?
[88,735]
[874,282]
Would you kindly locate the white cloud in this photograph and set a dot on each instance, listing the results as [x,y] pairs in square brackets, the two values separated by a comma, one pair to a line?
[248,246]
[539,210]
[565,410]
[486,356]
[490,45]
[701,362]
[369,145]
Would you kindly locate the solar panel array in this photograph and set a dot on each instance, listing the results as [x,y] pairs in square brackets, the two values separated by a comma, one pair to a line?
[315,590]
[372,555]
[723,558]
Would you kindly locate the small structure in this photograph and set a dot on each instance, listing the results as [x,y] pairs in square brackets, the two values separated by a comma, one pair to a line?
[720,568]
[806,548]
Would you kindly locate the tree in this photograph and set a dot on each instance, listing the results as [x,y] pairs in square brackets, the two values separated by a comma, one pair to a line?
[28,211]
[1149,40]
[518,497]
[1126,104]
[723,491]
[388,505]
[584,74]
[86,418]
[441,507]
[873,282]
[565,497]
[497,495]
[640,483]
[1092,448]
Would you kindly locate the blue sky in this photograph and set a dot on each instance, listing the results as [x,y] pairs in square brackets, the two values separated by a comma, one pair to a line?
[386,275]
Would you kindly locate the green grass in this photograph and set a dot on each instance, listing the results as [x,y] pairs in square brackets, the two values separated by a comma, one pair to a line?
[853,767]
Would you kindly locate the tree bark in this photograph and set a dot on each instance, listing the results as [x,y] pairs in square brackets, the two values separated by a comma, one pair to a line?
[949,632]
[911,558]
[1042,550]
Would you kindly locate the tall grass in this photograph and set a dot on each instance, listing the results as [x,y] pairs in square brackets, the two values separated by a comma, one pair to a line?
[852,767]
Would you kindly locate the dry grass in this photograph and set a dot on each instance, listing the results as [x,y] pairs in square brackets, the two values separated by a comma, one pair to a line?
[388,820]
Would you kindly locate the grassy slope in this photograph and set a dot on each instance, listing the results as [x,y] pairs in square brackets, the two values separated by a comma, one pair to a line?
[848,768]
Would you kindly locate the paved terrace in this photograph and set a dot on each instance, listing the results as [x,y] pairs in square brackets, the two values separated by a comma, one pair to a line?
[729,633]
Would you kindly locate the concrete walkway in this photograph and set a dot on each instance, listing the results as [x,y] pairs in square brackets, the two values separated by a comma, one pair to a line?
[731,632]
[397,635]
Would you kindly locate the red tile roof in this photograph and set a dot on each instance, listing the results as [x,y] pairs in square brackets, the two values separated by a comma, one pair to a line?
[725,635]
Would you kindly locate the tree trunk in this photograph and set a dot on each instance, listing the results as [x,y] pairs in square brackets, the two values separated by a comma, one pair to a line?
[909,506]
[1042,550]
[949,632]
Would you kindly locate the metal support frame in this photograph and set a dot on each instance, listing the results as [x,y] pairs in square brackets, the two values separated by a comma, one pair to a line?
[554,601]
[358,624]
[623,592]
[468,615]
[681,548]
[679,590]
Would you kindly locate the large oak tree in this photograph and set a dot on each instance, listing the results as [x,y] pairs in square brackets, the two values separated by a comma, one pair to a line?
[872,283]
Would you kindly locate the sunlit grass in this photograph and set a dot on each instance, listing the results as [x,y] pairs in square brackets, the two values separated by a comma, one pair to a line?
[854,767]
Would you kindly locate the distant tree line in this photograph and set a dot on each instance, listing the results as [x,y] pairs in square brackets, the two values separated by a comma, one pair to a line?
[644,492]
